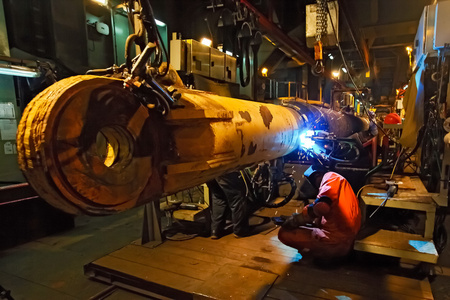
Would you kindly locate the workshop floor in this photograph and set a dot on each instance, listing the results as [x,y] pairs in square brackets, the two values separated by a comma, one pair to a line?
[52,267]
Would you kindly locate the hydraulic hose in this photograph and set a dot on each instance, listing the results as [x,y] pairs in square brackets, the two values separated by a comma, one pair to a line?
[287,198]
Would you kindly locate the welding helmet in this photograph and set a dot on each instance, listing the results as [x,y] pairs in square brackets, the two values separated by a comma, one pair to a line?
[311,173]
[314,169]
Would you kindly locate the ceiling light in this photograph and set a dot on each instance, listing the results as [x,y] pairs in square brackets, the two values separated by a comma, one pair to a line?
[409,50]
[159,23]
[19,71]
[330,56]
[264,72]
[102,2]
[344,70]
[335,74]
[206,42]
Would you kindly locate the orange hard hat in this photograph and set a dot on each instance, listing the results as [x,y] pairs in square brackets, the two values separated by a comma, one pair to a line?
[392,118]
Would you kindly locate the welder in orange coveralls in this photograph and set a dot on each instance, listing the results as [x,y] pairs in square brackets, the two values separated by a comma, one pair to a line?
[326,228]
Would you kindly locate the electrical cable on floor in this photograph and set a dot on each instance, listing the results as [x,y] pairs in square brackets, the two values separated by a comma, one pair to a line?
[360,190]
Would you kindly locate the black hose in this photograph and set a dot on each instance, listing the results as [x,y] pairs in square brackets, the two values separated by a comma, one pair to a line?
[245,56]
[105,71]
[287,198]
[161,101]
[161,91]
[167,55]
[148,19]
[375,169]
[255,44]
[129,42]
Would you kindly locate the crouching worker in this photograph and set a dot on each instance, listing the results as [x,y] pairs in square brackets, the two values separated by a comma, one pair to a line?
[327,228]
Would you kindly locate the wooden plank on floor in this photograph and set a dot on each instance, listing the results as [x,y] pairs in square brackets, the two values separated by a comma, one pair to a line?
[191,215]
[240,249]
[279,294]
[232,282]
[168,282]
[249,261]
[422,286]
[261,243]
[269,262]
[158,258]
[386,286]
[199,255]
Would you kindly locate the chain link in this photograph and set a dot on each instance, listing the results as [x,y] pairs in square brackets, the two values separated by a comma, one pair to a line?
[321,19]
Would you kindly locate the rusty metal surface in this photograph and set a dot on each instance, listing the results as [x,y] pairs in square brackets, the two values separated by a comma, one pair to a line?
[214,134]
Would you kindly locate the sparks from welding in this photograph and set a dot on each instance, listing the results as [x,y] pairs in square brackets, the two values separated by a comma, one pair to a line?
[306,139]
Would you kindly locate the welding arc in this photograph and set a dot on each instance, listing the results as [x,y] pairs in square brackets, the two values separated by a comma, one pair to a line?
[83,144]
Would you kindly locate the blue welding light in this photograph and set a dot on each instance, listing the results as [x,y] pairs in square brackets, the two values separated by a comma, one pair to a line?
[306,140]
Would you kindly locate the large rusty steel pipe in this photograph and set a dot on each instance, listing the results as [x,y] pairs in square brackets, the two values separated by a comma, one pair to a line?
[87,145]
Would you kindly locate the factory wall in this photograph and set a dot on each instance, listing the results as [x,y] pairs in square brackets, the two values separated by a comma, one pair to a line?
[9,118]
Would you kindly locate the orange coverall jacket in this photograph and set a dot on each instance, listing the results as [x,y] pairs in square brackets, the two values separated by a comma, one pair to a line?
[336,218]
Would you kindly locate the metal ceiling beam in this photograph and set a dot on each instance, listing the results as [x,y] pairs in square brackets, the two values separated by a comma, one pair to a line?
[387,46]
[386,30]
[287,44]
[292,49]
[359,43]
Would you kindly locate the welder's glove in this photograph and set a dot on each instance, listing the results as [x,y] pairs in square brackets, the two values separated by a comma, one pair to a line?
[294,221]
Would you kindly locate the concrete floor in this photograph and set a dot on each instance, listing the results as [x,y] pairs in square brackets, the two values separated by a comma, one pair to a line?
[52,267]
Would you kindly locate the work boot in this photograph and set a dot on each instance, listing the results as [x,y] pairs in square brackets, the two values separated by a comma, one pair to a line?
[215,235]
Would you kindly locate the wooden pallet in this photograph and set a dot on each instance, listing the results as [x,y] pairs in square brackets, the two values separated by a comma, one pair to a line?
[255,267]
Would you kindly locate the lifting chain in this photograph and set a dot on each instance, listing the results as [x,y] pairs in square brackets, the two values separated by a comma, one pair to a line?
[321,30]
[321,19]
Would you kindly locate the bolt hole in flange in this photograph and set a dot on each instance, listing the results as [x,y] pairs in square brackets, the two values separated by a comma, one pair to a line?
[114,146]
